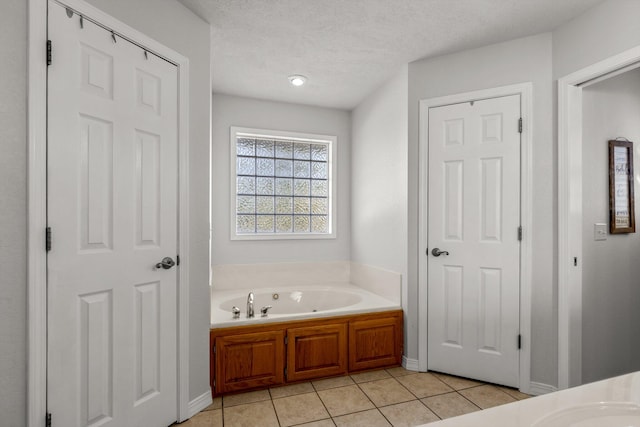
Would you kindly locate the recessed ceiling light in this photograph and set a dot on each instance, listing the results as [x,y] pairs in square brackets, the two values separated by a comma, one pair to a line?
[297,79]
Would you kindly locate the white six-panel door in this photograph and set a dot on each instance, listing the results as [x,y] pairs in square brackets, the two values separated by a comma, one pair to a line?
[474,215]
[112,207]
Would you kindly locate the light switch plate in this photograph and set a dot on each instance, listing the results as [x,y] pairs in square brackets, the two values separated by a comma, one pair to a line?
[599,231]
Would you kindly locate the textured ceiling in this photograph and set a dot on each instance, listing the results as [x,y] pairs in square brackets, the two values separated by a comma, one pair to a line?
[347,48]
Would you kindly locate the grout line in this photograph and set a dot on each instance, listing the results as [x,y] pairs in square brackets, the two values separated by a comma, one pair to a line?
[429,409]
[469,400]
[274,410]
[406,388]
[324,406]
[367,396]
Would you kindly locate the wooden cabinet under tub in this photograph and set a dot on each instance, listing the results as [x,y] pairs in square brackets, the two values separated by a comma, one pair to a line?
[374,343]
[316,351]
[249,360]
[258,356]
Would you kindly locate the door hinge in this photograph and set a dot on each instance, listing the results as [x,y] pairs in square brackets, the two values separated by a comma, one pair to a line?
[520,233]
[48,420]
[177,259]
[49,52]
[519,341]
[575,261]
[520,125]
[47,239]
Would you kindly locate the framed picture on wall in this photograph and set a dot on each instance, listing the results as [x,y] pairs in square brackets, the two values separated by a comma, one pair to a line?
[621,197]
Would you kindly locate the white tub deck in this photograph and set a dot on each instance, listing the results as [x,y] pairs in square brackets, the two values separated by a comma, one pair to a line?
[295,303]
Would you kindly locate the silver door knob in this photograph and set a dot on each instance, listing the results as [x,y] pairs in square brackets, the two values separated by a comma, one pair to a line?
[166,263]
[438,252]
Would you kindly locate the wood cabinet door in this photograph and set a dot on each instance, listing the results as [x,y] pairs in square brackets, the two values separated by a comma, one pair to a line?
[375,343]
[316,351]
[249,360]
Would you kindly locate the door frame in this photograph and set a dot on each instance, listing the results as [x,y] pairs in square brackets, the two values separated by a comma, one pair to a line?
[570,208]
[525,90]
[37,202]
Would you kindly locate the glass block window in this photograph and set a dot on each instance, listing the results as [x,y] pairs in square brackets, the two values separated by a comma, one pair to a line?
[283,185]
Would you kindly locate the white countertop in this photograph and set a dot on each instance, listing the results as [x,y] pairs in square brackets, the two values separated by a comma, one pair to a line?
[614,402]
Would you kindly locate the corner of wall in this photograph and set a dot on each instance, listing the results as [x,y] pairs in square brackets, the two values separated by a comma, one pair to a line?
[386,283]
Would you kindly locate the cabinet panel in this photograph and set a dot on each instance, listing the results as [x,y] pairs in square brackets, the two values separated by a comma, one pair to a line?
[316,351]
[375,343]
[249,360]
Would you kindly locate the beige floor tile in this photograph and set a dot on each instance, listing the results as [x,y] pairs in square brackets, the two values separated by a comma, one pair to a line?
[449,405]
[400,371]
[372,418]
[386,392]
[211,418]
[332,383]
[456,383]
[244,398]
[514,393]
[487,396]
[258,414]
[299,409]
[345,400]
[217,404]
[290,390]
[370,376]
[408,414]
[424,384]
[322,423]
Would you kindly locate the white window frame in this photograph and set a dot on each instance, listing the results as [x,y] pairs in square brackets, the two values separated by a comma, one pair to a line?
[331,140]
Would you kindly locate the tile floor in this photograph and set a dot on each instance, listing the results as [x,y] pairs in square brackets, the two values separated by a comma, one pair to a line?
[388,397]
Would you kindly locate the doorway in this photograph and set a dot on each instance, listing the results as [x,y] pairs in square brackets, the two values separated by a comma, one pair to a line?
[475,248]
[570,208]
[610,295]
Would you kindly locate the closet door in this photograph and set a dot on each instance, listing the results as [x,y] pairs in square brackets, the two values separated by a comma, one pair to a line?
[474,249]
[112,208]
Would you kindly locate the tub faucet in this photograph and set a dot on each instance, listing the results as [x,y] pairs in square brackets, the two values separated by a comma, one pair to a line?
[250,312]
[263,310]
[236,312]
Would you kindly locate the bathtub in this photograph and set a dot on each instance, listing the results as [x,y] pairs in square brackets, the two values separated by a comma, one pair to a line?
[293,303]
[613,402]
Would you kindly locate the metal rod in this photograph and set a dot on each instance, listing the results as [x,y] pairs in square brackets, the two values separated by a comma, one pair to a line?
[116,33]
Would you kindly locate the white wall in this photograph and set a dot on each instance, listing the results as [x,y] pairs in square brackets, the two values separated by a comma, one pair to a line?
[517,61]
[603,31]
[13,213]
[173,25]
[379,181]
[246,112]
[611,271]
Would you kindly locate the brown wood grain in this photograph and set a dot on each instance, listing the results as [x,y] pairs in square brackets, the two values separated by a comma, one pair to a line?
[375,343]
[254,356]
[249,360]
[316,351]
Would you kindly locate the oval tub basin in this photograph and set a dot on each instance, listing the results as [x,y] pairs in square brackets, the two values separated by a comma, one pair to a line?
[295,303]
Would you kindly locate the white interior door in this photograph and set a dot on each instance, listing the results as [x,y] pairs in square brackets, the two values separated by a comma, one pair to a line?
[473,217]
[112,207]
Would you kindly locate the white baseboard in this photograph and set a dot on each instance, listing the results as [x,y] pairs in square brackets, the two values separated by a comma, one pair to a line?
[537,389]
[199,403]
[410,364]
